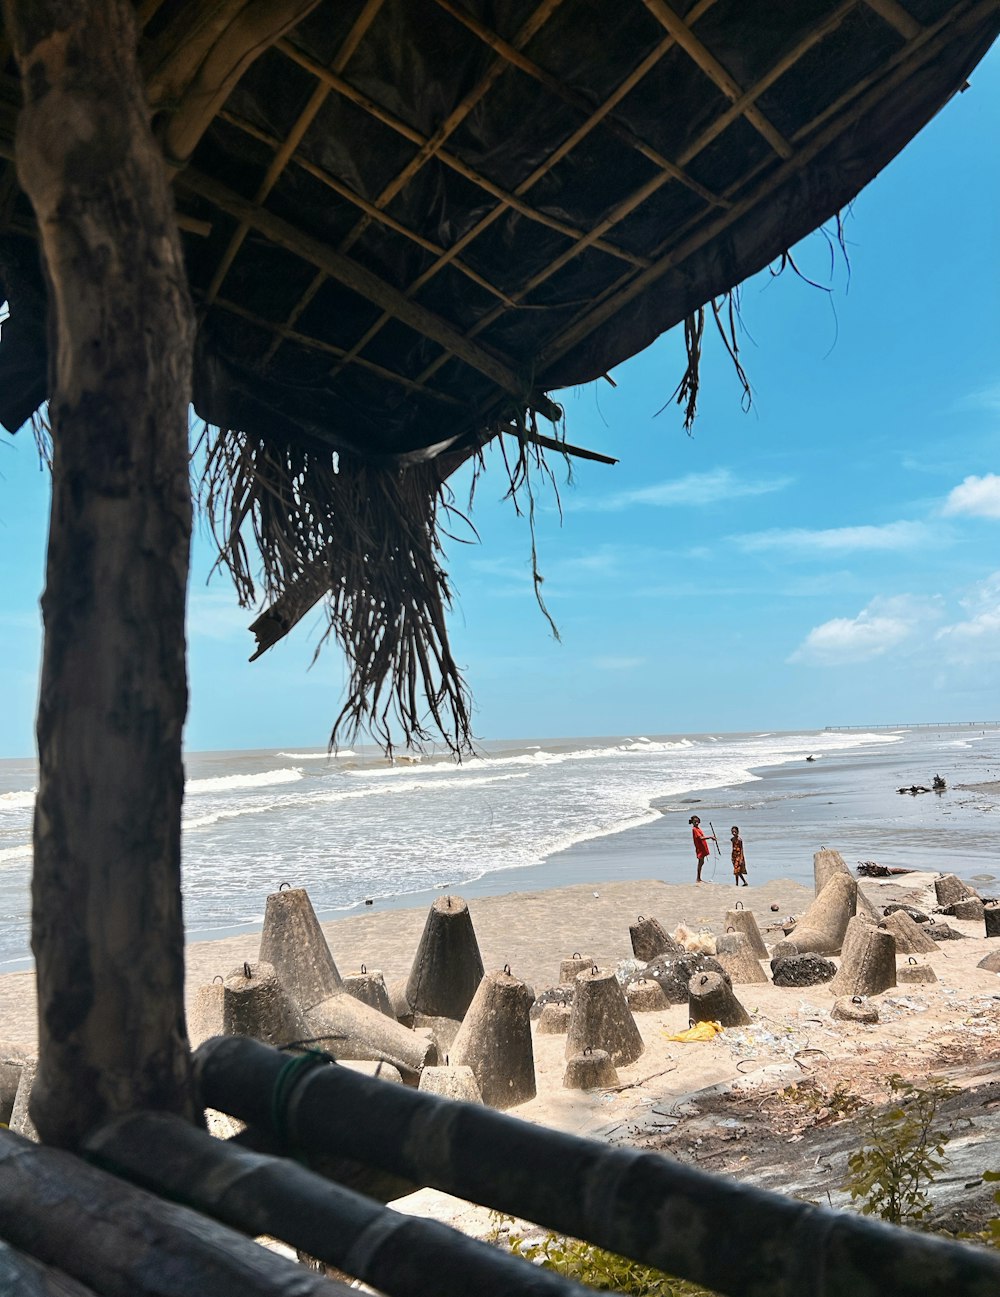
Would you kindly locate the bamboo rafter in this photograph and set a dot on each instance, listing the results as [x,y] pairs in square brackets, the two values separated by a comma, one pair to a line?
[594,118]
[356,277]
[810,140]
[736,109]
[713,69]
[356,200]
[286,148]
[896,16]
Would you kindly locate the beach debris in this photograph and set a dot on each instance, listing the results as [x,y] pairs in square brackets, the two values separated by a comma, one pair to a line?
[592,1069]
[447,968]
[738,960]
[745,921]
[911,939]
[949,888]
[20,1117]
[801,970]
[990,962]
[971,910]
[695,943]
[871,869]
[292,942]
[457,1083]
[698,1031]
[775,908]
[674,972]
[991,916]
[939,784]
[868,961]
[601,1018]
[854,1009]
[912,972]
[645,995]
[821,929]
[562,994]
[650,938]
[942,932]
[554,1019]
[826,864]
[369,901]
[568,968]
[914,789]
[369,987]
[378,1069]
[495,1041]
[711,999]
[918,916]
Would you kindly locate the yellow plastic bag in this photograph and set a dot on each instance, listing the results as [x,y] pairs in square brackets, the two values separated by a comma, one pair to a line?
[700,1031]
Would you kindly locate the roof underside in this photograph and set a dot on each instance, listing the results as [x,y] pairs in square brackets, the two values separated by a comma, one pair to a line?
[410,219]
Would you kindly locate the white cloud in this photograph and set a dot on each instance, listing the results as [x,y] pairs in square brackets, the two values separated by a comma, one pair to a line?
[886,623]
[693,489]
[840,540]
[218,616]
[977,636]
[977,496]
[987,398]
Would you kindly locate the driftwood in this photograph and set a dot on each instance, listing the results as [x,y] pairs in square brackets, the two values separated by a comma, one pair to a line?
[400,1255]
[106,930]
[638,1204]
[124,1242]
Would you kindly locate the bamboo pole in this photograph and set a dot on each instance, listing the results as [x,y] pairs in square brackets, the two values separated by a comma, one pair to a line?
[124,1242]
[401,1256]
[23,1276]
[709,1229]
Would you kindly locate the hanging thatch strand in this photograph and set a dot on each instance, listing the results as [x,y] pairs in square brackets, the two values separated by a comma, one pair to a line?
[369,533]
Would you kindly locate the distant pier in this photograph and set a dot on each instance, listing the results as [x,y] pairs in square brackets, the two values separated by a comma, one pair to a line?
[922,725]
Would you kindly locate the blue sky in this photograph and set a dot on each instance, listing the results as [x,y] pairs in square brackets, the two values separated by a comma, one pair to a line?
[829,557]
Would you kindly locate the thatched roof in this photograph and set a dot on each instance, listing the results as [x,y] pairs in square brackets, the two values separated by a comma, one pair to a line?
[408,221]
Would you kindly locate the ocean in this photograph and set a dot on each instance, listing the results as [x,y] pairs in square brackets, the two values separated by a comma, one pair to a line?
[526,815]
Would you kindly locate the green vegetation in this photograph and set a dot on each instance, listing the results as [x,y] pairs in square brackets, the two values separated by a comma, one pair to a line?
[604,1271]
[890,1175]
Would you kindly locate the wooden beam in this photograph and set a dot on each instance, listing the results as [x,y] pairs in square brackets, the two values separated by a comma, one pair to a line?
[714,70]
[362,281]
[252,31]
[896,16]
[106,905]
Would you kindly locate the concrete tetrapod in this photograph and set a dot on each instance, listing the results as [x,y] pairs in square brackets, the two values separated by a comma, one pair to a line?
[447,968]
[745,921]
[868,961]
[370,988]
[457,1083]
[827,863]
[991,917]
[646,996]
[909,936]
[821,929]
[254,1003]
[601,1019]
[649,939]
[293,943]
[206,1018]
[711,999]
[554,1020]
[734,954]
[495,1041]
[345,1028]
[568,968]
[20,1116]
[950,888]
[591,1070]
